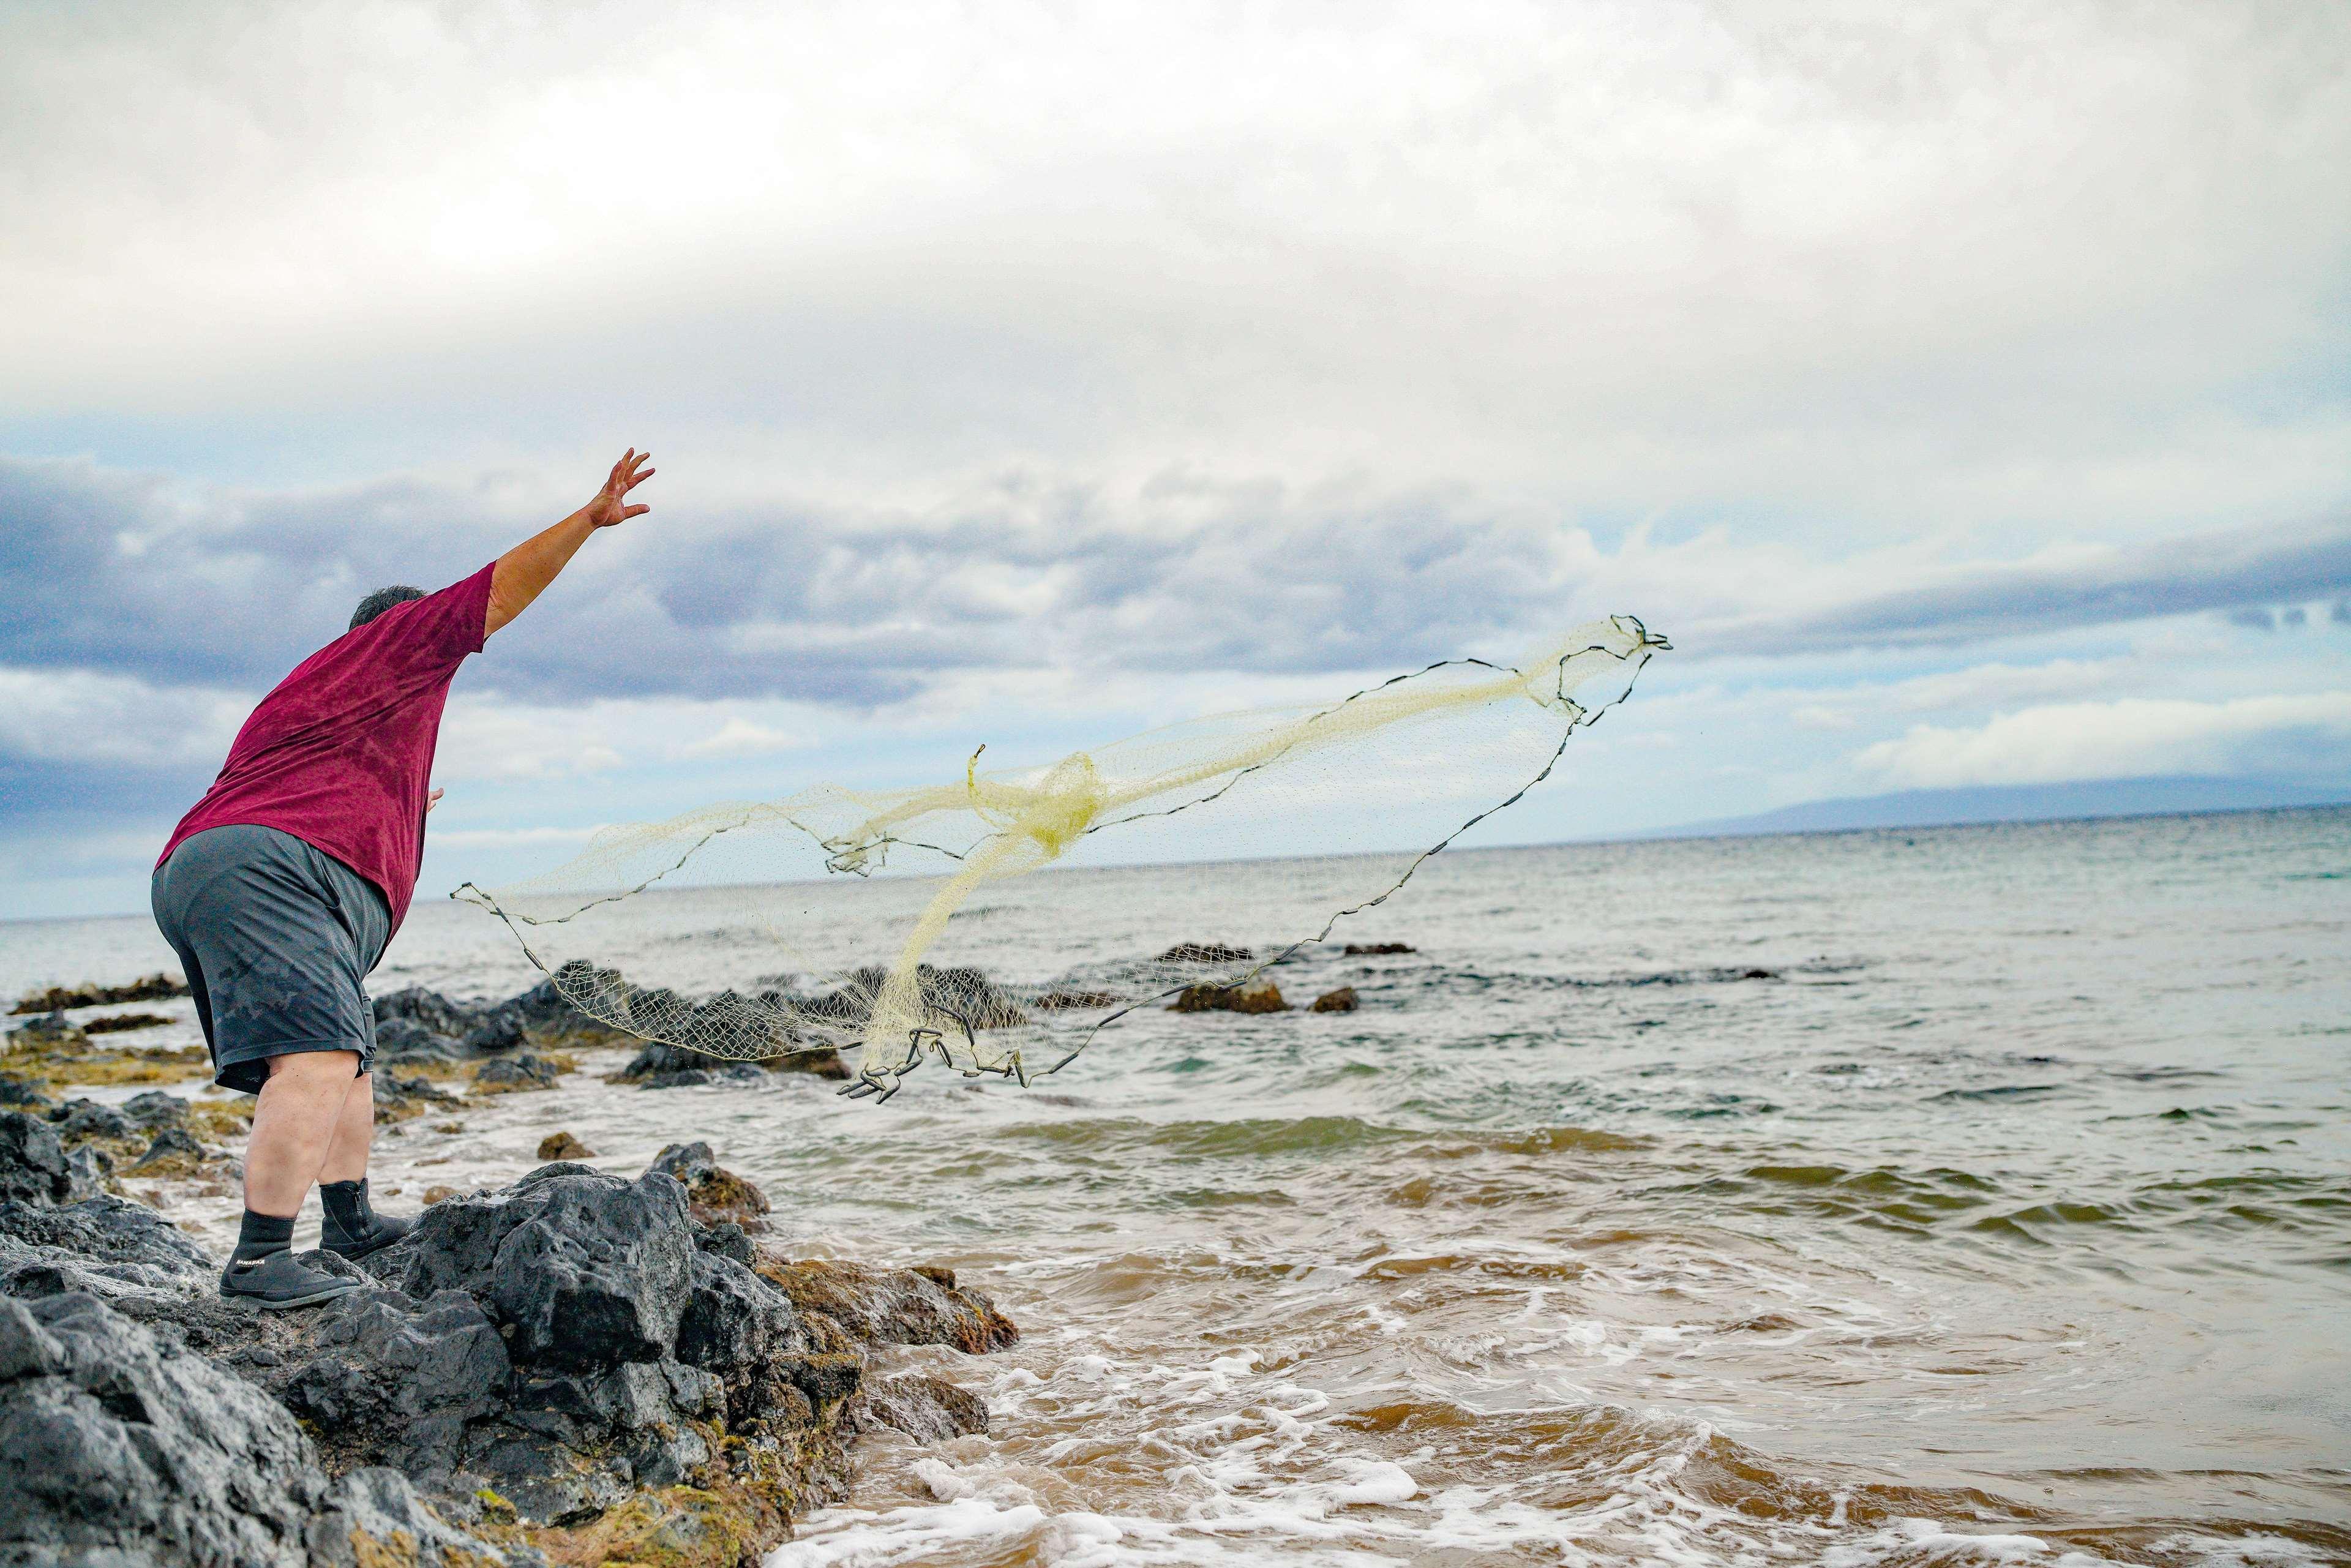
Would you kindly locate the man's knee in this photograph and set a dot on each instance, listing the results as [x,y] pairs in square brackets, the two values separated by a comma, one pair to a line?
[315,1065]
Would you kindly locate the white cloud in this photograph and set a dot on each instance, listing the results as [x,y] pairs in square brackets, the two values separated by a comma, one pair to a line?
[1633,256]
[78,715]
[2135,737]
[739,736]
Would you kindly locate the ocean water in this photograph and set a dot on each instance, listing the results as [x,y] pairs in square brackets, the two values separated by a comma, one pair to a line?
[1955,1195]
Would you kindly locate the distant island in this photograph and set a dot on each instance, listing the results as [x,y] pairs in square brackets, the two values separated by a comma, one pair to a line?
[2019,803]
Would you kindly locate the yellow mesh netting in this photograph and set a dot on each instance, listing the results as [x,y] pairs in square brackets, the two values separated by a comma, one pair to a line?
[854,905]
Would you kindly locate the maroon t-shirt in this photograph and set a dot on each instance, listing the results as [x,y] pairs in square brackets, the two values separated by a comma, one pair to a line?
[341,754]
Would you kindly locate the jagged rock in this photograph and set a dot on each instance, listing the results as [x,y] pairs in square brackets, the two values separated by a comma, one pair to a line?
[579,1269]
[501,1032]
[20,1093]
[1342,1000]
[893,1306]
[927,1409]
[153,988]
[727,1239]
[434,1012]
[123,1023]
[715,1194]
[1064,1001]
[50,1031]
[33,1164]
[564,1146]
[104,1245]
[405,1040]
[126,1448]
[155,1110]
[174,1153]
[509,1074]
[396,1381]
[660,1065]
[1376,949]
[1205,953]
[1259,995]
[86,1121]
[399,1099]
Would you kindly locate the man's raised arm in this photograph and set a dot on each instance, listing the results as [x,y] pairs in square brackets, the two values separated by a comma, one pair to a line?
[524,571]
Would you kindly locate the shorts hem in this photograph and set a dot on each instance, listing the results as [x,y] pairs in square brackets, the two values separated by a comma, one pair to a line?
[248,1069]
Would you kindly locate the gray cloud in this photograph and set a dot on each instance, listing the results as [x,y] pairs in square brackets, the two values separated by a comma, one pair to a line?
[120,574]
[2244,574]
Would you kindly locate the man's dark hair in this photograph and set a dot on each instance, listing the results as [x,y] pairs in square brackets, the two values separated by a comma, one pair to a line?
[381,600]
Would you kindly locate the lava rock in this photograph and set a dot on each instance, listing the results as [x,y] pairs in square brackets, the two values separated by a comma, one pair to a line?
[405,1040]
[33,1164]
[85,1121]
[893,1306]
[155,988]
[1205,953]
[437,1013]
[1257,996]
[509,1074]
[174,1153]
[20,1093]
[715,1194]
[579,1269]
[395,1381]
[501,1032]
[106,1246]
[154,1111]
[927,1409]
[128,1449]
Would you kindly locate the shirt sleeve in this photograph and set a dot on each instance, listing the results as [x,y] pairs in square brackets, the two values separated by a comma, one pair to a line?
[444,628]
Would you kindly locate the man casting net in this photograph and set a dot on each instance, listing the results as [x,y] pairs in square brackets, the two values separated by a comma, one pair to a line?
[864,909]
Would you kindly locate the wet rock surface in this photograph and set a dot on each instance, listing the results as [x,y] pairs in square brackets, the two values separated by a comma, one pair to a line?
[579,1363]
[1257,996]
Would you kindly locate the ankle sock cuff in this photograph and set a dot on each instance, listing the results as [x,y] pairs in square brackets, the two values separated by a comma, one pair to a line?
[259,1235]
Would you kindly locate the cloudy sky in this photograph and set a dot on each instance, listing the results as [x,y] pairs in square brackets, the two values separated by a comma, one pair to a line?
[1965,387]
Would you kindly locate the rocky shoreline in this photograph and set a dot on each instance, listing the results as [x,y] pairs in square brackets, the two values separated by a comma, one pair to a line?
[576,1367]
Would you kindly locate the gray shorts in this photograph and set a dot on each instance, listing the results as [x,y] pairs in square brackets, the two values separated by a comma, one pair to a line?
[276,938]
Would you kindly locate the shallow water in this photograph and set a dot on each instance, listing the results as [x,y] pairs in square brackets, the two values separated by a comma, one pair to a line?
[1953,1195]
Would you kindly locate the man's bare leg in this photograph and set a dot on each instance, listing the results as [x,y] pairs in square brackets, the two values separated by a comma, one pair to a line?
[347,1154]
[293,1128]
[352,1226]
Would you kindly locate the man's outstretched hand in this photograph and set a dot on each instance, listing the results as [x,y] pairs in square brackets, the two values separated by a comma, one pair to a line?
[611,503]
[524,571]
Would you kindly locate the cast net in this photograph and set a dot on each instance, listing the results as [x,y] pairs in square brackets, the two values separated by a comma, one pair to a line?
[998,922]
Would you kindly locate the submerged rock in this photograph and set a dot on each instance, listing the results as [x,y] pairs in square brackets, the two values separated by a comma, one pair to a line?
[1376,949]
[564,1146]
[1342,1000]
[1206,953]
[893,1306]
[155,988]
[714,1193]
[1259,995]
[509,1074]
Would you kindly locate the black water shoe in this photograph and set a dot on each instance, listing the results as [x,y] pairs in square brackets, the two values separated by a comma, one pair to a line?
[352,1228]
[281,1281]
